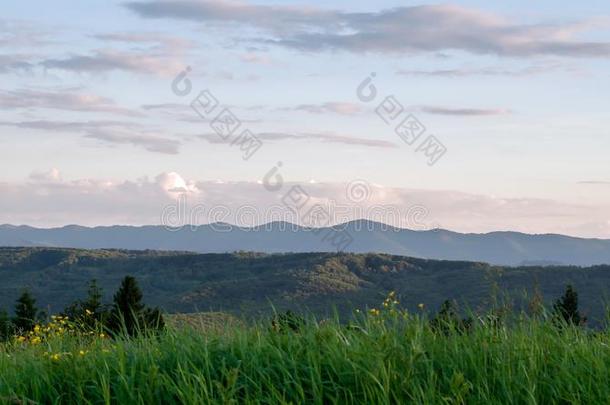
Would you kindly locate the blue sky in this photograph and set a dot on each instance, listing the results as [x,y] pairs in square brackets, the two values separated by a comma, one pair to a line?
[516,92]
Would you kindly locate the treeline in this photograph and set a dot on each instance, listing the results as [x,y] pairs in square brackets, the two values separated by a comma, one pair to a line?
[449,318]
[127,314]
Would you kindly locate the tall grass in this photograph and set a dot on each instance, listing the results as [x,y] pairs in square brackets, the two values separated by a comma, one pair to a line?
[380,359]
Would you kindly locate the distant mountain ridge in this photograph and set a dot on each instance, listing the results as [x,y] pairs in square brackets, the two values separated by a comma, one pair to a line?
[500,248]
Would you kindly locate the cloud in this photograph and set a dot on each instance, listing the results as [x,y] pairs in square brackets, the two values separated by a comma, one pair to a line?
[14,64]
[327,138]
[489,71]
[108,132]
[427,28]
[163,41]
[66,126]
[102,61]
[462,111]
[342,108]
[64,99]
[50,176]
[152,143]
[48,199]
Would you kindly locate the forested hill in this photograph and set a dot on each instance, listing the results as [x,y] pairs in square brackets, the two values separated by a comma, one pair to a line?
[251,283]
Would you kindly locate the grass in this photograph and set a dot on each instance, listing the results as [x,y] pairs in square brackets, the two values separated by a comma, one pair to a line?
[386,358]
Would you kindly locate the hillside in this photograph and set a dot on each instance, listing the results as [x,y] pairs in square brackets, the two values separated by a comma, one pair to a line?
[249,283]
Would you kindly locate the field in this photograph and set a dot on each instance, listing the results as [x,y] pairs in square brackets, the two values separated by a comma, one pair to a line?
[384,356]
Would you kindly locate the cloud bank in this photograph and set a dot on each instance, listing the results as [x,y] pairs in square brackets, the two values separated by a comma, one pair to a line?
[47,199]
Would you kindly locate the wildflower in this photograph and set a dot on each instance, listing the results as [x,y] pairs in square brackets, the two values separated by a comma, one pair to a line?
[36,340]
[21,338]
[374,312]
[102,335]
[82,352]
[88,312]
[56,357]
[420,306]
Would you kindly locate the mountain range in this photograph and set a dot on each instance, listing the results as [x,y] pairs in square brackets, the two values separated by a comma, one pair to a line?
[499,248]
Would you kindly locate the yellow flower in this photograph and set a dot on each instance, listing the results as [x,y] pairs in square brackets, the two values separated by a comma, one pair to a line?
[36,340]
[420,306]
[21,338]
[56,357]
[37,328]
[88,312]
[102,335]
[82,352]
[374,312]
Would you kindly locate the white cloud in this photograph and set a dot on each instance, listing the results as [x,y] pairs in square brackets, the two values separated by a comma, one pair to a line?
[46,199]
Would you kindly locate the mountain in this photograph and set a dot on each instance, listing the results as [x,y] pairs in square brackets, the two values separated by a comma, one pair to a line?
[253,284]
[500,248]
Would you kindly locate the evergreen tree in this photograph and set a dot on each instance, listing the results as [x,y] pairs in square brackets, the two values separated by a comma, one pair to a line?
[566,308]
[26,312]
[6,326]
[448,319]
[91,313]
[129,314]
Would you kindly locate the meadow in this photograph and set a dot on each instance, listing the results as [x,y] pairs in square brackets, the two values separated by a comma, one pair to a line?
[383,356]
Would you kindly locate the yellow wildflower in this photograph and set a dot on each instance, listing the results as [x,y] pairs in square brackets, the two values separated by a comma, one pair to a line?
[420,306]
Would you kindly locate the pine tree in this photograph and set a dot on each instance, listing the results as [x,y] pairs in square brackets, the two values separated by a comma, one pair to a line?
[90,313]
[566,308]
[6,326]
[26,312]
[93,303]
[448,320]
[129,314]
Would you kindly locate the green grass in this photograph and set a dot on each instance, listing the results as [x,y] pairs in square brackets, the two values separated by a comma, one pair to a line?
[387,359]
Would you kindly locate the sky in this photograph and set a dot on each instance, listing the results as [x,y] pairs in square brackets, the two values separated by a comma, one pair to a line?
[502,105]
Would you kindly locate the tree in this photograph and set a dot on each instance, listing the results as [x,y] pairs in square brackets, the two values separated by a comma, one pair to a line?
[26,312]
[6,326]
[91,313]
[566,308]
[287,322]
[448,320]
[129,314]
